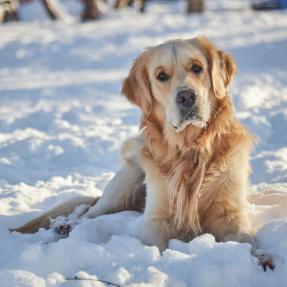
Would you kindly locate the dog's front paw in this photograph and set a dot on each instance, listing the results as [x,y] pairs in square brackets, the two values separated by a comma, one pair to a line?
[152,232]
[61,226]
[265,260]
[63,230]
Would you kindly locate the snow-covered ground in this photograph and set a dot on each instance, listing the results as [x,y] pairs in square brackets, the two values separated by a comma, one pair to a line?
[62,121]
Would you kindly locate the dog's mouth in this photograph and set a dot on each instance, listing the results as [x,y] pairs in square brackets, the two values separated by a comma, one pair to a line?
[188,119]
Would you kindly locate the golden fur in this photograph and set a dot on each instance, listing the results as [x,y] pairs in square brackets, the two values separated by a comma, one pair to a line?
[204,169]
[196,171]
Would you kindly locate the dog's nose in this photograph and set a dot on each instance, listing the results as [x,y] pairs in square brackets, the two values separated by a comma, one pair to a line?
[185,98]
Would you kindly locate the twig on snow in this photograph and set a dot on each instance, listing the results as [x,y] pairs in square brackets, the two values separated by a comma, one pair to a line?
[92,279]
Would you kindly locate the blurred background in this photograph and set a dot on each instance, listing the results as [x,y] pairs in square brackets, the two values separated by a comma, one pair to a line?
[85,10]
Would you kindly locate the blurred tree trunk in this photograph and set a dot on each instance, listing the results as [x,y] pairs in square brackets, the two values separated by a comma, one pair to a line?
[9,10]
[142,6]
[195,6]
[52,9]
[91,10]
[124,3]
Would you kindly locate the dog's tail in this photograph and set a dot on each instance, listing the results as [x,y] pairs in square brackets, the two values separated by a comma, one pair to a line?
[63,209]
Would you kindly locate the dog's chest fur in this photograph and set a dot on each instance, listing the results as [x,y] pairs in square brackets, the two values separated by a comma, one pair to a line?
[193,176]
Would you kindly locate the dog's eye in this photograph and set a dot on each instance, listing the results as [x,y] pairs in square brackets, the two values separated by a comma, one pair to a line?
[196,69]
[163,77]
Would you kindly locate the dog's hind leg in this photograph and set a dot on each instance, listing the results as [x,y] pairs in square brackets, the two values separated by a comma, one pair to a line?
[64,209]
[124,192]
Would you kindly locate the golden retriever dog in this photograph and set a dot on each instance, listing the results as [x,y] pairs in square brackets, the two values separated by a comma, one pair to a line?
[188,168]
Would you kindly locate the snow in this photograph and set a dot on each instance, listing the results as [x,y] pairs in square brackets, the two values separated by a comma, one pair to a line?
[62,121]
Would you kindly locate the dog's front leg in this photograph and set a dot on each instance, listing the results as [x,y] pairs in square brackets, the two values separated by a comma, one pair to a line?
[124,192]
[155,229]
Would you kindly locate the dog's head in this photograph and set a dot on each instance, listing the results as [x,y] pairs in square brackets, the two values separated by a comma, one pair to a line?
[184,80]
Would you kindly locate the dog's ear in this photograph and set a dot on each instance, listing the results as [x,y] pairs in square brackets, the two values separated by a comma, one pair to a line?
[136,87]
[222,66]
[228,66]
